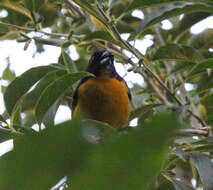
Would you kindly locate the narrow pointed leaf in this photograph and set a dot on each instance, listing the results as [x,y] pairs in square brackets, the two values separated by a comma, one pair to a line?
[202,67]
[90,9]
[49,117]
[67,61]
[180,153]
[160,14]
[177,52]
[102,36]
[8,74]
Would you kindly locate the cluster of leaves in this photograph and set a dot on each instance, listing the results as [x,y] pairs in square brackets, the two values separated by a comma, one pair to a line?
[131,159]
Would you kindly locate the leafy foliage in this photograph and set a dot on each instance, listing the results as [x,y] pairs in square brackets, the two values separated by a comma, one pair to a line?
[171,144]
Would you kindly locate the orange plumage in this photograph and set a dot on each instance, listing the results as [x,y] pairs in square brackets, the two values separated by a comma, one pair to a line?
[104,97]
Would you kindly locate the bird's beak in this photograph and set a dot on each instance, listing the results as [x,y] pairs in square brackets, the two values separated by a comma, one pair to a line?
[107,58]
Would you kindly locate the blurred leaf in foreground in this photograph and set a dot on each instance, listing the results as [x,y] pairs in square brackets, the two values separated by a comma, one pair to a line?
[40,160]
[131,161]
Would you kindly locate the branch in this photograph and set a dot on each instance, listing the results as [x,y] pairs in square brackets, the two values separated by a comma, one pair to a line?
[126,59]
[155,88]
[145,63]
[159,43]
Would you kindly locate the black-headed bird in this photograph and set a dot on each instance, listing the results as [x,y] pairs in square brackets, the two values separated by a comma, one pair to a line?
[105,96]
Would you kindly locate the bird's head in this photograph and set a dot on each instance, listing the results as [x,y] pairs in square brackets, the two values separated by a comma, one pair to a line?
[101,64]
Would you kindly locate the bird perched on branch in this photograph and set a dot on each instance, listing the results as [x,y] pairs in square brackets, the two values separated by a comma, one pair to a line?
[105,96]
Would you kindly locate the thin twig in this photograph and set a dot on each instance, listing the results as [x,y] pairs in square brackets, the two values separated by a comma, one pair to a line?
[32,30]
[197,117]
[17,27]
[9,132]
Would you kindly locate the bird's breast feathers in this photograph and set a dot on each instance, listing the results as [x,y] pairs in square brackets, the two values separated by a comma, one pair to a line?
[104,99]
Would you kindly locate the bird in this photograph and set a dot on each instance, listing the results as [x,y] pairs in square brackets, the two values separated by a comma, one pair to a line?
[104,96]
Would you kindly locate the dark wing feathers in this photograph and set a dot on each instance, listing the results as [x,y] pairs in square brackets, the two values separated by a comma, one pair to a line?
[75,95]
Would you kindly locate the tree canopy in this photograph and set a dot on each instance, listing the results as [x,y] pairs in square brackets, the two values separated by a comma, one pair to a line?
[171,146]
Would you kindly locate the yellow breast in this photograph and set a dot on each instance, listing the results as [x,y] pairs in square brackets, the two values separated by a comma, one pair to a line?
[104,99]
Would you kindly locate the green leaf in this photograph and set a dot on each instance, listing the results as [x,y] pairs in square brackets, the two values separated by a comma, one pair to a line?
[180,153]
[4,137]
[3,120]
[15,117]
[22,84]
[31,98]
[203,40]
[49,117]
[26,45]
[54,91]
[187,22]
[51,154]
[204,166]
[34,5]
[201,67]
[207,102]
[16,7]
[178,52]
[67,61]
[63,150]
[8,74]
[181,186]
[135,4]
[90,9]
[209,119]
[206,53]
[204,82]
[127,162]
[182,66]
[159,14]
[102,36]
